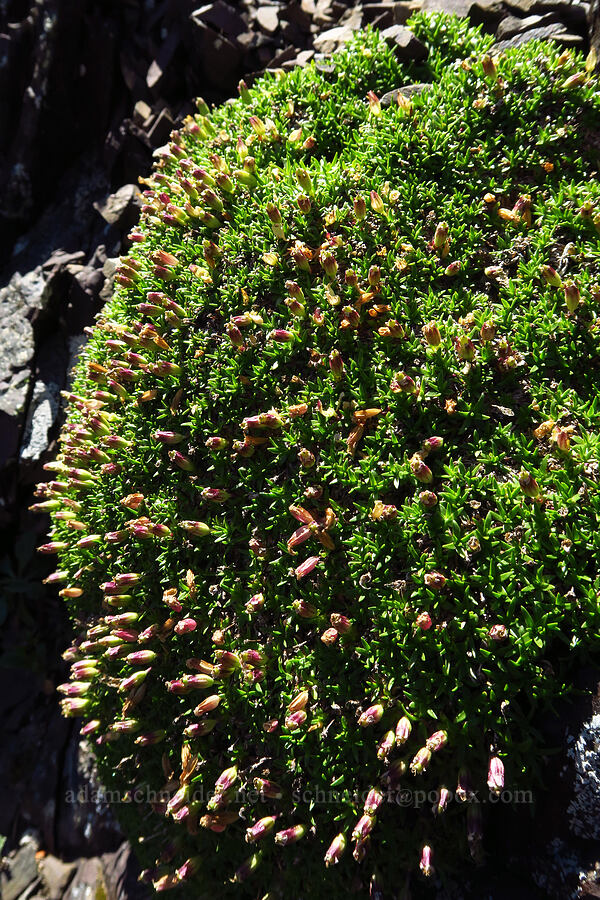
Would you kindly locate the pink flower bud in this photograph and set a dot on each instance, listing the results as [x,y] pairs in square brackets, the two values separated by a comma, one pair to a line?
[306,458]
[168,437]
[437,740]
[386,745]
[425,864]
[305,609]
[295,720]
[528,484]
[371,716]
[335,850]
[374,104]
[572,296]
[306,567]
[363,827]
[329,263]
[290,835]
[420,761]
[185,626]
[207,705]
[428,499]
[197,529]
[488,332]
[403,730]
[260,829]
[336,364]
[360,208]
[495,777]
[432,335]
[464,347]
[435,581]
[376,203]
[268,789]
[373,801]
[255,603]
[423,621]
[498,633]
[452,269]
[215,443]
[420,470]
[281,336]
[403,384]
[550,276]
[341,623]
[440,236]
[329,636]
[442,801]
[141,657]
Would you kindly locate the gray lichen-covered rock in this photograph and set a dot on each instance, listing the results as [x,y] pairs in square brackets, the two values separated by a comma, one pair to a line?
[584,809]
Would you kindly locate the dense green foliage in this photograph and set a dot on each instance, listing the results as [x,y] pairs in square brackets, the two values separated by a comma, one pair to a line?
[340,421]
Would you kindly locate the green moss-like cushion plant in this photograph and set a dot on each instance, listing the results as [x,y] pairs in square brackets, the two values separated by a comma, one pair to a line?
[326,505]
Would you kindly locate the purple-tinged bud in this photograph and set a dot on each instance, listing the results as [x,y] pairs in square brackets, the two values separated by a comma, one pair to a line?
[360,208]
[247,868]
[74,706]
[360,849]
[437,740]
[306,458]
[181,461]
[464,789]
[443,799]
[386,745]
[200,729]
[197,529]
[336,364]
[374,276]
[329,264]
[498,633]
[440,236]
[425,864]
[452,269]
[432,335]
[215,443]
[373,802]
[296,720]
[268,789]
[490,72]
[572,296]
[305,609]
[53,547]
[290,835]
[363,827]
[141,657]
[420,761]
[495,778]
[488,332]
[342,624]
[168,437]
[371,716]
[74,688]
[257,126]
[435,580]
[208,705]
[215,495]
[528,484]
[420,470]
[125,634]
[395,772]
[227,663]
[134,680]
[185,626]
[550,276]
[464,347]
[126,726]
[423,621]
[374,103]
[403,384]
[255,603]
[574,81]
[260,829]
[189,868]
[304,203]
[376,203]
[281,335]
[306,567]
[403,730]
[335,850]
[56,578]
[91,727]
[432,444]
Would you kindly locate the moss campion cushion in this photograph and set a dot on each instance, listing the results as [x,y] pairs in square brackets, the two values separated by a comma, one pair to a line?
[326,505]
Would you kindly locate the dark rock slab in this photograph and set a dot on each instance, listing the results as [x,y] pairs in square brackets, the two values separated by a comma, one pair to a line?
[122,208]
[406,46]
[512,25]
[20,871]
[481,12]
[556,32]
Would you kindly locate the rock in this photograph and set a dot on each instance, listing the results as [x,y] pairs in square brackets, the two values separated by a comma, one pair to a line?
[122,208]
[20,871]
[219,57]
[304,57]
[161,128]
[408,91]
[55,875]
[511,25]
[584,808]
[42,415]
[221,16]
[387,13]
[555,32]
[406,46]
[87,882]
[331,40]
[268,18]
[480,12]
